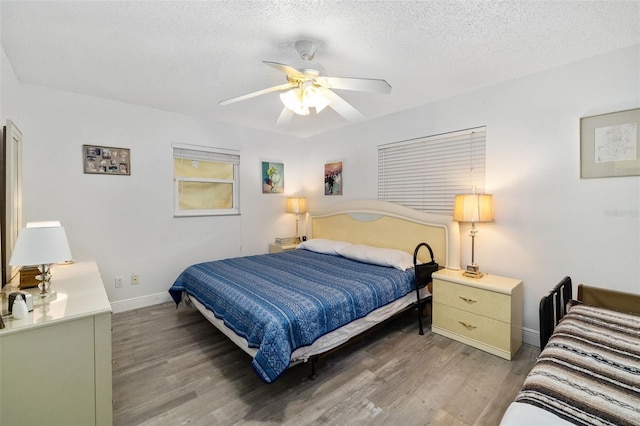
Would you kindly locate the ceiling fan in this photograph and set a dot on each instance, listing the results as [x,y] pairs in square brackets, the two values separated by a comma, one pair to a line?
[308,86]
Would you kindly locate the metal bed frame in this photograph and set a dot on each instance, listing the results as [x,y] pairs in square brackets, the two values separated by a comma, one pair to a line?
[553,307]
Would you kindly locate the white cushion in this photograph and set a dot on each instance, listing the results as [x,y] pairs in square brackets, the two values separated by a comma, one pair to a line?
[378,256]
[323,245]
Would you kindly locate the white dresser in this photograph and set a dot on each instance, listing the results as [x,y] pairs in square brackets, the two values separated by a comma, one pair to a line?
[482,312]
[55,364]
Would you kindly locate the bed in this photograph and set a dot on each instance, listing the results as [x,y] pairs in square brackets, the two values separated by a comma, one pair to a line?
[354,272]
[588,371]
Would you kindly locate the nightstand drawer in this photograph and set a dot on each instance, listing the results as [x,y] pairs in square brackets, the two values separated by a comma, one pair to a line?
[472,326]
[475,300]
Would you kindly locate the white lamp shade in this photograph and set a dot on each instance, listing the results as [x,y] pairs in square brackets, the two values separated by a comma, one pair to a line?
[43,224]
[301,98]
[40,246]
[293,101]
[296,205]
[473,208]
[317,100]
[313,97]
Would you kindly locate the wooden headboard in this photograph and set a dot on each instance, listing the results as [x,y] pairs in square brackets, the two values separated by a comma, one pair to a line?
[383,224]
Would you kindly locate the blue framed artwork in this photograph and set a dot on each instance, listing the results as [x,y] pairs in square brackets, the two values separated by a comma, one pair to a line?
[272,178]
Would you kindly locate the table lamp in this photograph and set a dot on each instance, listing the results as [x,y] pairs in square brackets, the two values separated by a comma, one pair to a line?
[473,208]
[297,205]
[41,244]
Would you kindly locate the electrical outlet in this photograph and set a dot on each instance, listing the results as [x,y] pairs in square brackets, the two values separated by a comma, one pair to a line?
[135,279]
[119,281]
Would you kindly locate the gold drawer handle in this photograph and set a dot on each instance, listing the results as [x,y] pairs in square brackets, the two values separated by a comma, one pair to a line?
[467,326]
[467,299]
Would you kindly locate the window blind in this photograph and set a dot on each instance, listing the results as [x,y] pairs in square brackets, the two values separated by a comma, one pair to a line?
[206,181]
[192,152]
[426,173]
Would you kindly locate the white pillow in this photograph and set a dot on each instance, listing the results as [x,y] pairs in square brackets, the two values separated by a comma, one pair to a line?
[378,256]
[323,245]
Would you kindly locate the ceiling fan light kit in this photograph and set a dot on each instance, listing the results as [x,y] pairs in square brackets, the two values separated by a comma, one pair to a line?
[308,87]
[303,97]
[293,100]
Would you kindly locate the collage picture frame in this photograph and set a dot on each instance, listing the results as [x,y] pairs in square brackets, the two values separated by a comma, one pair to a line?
[106,160]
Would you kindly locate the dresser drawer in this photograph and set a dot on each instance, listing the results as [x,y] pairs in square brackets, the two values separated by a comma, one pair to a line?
[474,300]
[472,326]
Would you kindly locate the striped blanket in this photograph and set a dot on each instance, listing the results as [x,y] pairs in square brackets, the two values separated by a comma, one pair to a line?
[589,372]
[280,302]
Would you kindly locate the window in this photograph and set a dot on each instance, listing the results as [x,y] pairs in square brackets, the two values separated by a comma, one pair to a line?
[426,173]
[205,181]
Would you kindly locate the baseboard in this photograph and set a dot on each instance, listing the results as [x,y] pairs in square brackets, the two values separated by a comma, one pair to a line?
[531,337]
[140,302]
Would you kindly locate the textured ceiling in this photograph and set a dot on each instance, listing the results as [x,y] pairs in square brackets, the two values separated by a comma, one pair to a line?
[186,56]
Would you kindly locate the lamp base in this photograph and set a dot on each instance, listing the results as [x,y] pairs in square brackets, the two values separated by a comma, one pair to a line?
[46,293]
[473,271]
[42,298]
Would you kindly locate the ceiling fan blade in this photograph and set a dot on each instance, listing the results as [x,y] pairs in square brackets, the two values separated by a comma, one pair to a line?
[341,106]
[285,117]
[258,93]
[287,69]
[356,84]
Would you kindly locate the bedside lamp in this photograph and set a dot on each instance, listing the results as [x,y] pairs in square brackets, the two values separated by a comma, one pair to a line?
[41,244]
[297,205]
[473,208]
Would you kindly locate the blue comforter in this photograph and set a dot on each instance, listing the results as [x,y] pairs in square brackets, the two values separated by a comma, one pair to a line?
[280,302]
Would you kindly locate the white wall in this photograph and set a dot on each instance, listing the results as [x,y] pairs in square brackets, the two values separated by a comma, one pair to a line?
[126,222]
[549,222]
[9,94]
[9,88]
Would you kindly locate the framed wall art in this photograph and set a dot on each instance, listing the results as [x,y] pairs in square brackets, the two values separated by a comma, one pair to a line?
[609,144]
[106,160]
[333,178]
[272,178]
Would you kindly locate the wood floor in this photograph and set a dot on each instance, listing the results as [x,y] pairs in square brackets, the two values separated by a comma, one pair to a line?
[172,367]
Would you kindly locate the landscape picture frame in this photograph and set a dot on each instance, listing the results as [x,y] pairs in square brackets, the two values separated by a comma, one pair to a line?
[610,144]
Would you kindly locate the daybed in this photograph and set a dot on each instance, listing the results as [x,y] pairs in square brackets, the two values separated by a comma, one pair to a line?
[290,307]
[588,372]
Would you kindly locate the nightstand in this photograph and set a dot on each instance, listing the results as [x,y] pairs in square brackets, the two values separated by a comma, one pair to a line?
[276,248]
[485,313]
